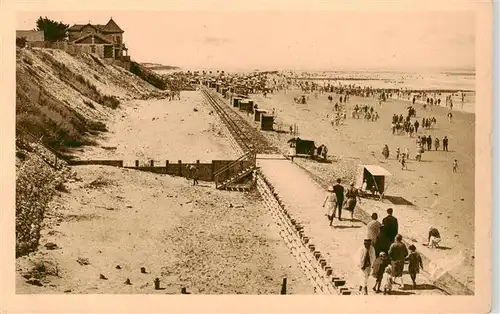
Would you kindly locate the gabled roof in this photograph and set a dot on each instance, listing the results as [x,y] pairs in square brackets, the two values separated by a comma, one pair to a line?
[95,35]
[112,27]
[78,27]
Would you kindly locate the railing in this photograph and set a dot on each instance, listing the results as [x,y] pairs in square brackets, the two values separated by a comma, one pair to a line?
[245,162]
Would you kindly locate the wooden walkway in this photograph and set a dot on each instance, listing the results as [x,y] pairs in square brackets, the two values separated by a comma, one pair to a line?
[303,198]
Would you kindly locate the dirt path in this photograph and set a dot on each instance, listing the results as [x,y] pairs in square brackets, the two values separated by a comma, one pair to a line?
[338,243]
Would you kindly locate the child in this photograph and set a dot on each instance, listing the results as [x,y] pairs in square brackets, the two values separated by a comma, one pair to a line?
[403,162]
[455,166]
[378,270]
[387,280]
[415,263]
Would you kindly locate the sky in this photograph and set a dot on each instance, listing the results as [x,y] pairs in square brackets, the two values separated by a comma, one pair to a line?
[288,39]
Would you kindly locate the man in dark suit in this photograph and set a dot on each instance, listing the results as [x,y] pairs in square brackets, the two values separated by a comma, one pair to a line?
[390,225]
[339,192]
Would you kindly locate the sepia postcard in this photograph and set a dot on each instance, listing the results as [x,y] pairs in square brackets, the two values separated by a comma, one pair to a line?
[215,156]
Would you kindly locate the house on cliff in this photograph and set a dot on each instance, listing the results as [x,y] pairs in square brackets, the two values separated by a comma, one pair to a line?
[104,40]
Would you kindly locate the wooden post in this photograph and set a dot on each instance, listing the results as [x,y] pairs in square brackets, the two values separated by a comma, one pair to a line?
[137,163]
[166,167]
[152,163]
[283,286]
[180,167]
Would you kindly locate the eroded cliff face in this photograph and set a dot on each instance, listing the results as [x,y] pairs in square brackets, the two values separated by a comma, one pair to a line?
[62,101]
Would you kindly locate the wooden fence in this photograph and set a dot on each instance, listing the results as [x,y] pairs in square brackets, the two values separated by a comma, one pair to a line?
[206,171]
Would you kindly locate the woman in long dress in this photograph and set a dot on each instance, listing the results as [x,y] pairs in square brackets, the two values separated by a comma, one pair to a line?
[330,202]
[398,253]
[351,195]
[292,151]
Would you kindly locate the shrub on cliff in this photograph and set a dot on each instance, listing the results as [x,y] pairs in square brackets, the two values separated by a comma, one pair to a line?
[147,75]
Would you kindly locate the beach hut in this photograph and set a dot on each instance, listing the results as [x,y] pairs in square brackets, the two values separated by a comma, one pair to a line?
[303,147]
[375,177]
[236,101]
[266,122]
[258,113]
[246,105]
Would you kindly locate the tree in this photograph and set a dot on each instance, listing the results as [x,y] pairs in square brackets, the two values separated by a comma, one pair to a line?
[53,31]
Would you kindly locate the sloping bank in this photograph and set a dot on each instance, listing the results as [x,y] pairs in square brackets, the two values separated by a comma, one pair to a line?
[62,101]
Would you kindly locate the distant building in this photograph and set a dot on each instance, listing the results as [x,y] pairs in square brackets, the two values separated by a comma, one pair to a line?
[31,36]
[104,40]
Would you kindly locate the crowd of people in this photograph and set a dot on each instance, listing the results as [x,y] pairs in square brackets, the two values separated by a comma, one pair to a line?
[383,254]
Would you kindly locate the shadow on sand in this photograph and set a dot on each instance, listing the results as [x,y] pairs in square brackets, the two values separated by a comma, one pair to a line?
[400,292]
[424,286]
[398,200]
[345,227]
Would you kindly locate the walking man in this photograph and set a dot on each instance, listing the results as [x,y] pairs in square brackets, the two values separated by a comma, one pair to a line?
[339,193]
[455,166]
[373,228]
[445,143]
[194,174]
[391,225]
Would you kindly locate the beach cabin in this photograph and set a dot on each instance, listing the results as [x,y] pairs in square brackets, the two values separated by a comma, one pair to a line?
[236,101]
[303,147]
[267,122]
[258,113]
[246,105]
[375,176]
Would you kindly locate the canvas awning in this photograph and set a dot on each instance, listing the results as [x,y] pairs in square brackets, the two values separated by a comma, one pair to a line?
[376,170]
[375,176]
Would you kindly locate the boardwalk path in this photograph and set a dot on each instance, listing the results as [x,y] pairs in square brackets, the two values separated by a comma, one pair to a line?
[338,244]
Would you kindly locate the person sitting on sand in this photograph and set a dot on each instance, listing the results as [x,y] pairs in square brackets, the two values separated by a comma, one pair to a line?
[433,238]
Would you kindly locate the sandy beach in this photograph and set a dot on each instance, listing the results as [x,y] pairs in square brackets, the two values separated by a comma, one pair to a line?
[114,221]
[149,130]
[439,197]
